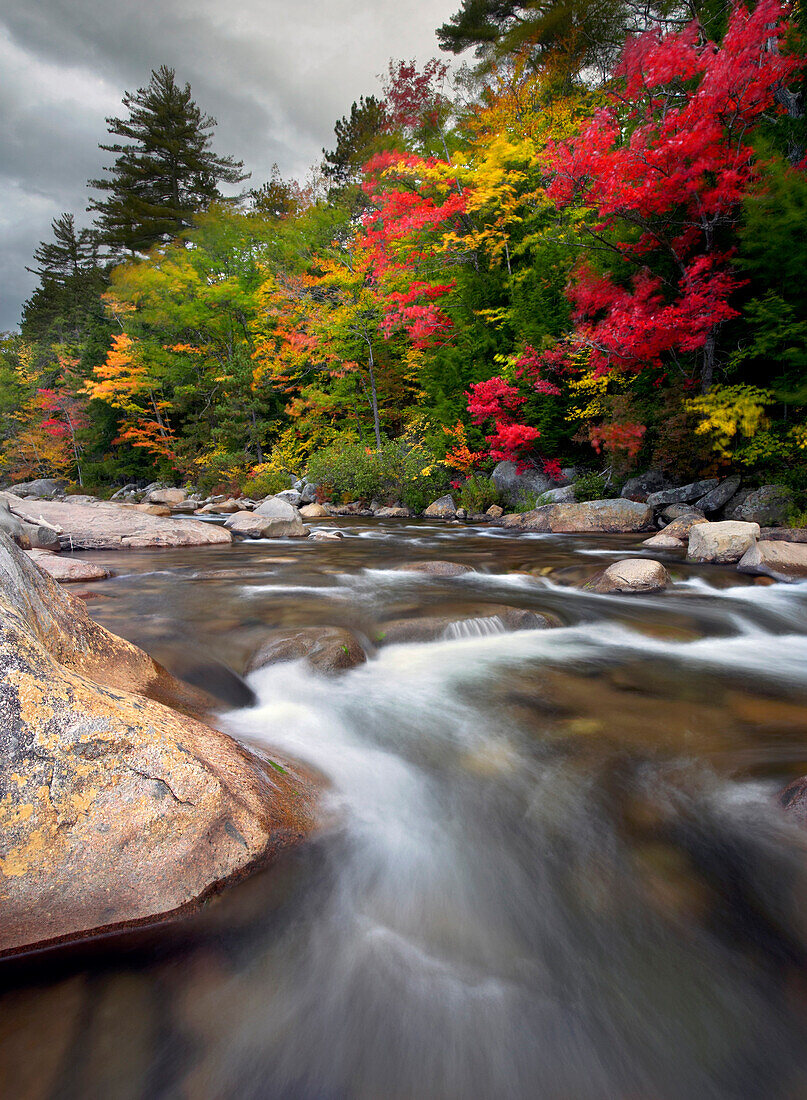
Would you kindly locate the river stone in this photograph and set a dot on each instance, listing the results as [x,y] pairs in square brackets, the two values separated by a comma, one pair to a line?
[43,488]
[152,509]
[114,808]
[640,487]
[435,568]
[495,511]
[394,511]
[313,511]
[722,542]
[564,494]
[165,496]
[65,569]
[519,488]
[719,497]
[109,526]
[784,534]
[768,506]
[784,561]
[291,496]
[326,648]
[663,541]
[255,525]
[616,516]
[635,575]
[308,493]
[326,534]
[683,494]
[680,528]
[678,511]
[430,628]
[442,508]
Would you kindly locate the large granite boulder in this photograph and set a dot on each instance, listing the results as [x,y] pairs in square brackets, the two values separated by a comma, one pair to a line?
[43,488]
[519,488]
[273,519]
[784,561]
[768,506]
[640,487]
[684,494]
[326,648]
[26,534]
[616,516]
[115,808]
[170,497]
[67,569]
[719,497]
[116,526]
[633,575]
[442,508]
[721,542]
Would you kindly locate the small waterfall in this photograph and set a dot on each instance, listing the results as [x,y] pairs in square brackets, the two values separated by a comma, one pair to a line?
[481,627]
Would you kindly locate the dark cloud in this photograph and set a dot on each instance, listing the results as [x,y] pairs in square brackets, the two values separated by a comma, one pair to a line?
[275,75]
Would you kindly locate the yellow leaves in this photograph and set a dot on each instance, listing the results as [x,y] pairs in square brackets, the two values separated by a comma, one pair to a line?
[729,413]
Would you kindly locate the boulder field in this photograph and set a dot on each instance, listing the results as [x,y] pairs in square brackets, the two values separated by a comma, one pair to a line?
[118,804]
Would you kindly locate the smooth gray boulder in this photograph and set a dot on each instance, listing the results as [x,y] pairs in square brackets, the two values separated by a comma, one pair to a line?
[633,575]
[255,525]
[722,542]
[443,508]
[42,488]
[784,561]
[519,488]
[684,494]
[615,516]
[640,487]
[291,496]
[768,506]
[719,497]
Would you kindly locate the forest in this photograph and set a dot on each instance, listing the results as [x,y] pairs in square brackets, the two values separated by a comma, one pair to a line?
[582,243]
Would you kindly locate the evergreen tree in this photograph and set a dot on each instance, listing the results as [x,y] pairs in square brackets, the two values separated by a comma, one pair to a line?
[358,136]
[164,169]
[69,254]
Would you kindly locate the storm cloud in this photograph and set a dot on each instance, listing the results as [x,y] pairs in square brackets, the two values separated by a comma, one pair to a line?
[275,75]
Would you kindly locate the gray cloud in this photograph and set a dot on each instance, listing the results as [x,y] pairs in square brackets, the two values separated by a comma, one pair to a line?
[275,75]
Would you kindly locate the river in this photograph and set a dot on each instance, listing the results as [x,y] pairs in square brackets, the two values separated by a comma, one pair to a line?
[551,864]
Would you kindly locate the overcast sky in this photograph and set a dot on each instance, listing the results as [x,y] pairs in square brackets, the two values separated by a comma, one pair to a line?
[275,74]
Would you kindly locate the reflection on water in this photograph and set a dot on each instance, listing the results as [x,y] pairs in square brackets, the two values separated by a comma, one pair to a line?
[552,864]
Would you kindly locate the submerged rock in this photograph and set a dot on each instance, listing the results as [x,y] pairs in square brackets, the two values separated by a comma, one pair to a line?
[631,575]
[326,648]
[784,561]
[435,568]
[117,527]
[65,569]
[114,808]
[721,542]
[487,620]
[616,516]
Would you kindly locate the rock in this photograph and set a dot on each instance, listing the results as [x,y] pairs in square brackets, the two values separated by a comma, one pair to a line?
[564,494]
[152,509]
[291,496]
[768,506]
[663,541]
[443,508]
[185,508]
[639,488]
[784,534]
[794,800]
[487,620]
[719,497]
[65,569]
[255,525]
[677,511]
[82,498]
[394,511]
[631,575]
[519,488]
[324,534]
[308,493]
[26,534]
[126,493]
[313,511]
[165,496]
[109,526]
[114,808]
[326,648]
[722,542]
[683,494]
[43,488]
[680,528]
[784,561]
[495,511]
[435,568]
[604,516]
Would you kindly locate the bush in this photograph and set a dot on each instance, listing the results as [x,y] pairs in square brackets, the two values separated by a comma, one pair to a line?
[401,470]
[265,482]
[476,494]
[590,487]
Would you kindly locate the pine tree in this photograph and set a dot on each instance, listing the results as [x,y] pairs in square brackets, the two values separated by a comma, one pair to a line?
[68,255]
[164,170]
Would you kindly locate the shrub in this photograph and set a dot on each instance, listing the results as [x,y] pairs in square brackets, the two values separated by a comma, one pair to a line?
[476,493]
[590,487]
[401,470]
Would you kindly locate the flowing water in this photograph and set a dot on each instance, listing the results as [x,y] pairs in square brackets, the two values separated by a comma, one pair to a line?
[552,863]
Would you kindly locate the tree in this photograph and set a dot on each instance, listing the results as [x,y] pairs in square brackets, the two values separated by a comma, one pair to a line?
[164,171]
[358,137]
[70,254]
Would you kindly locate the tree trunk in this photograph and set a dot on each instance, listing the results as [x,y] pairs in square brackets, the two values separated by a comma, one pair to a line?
[709,347]
[374,397]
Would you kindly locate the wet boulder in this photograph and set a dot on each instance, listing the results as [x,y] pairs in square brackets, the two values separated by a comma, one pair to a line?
[114,808]
[683,494]
[784,561]
[616,516]
[442,508]
[256,525]
[722,542]
[485,620]
[326,648]
[66,569]
[435,568]
[326,534]
[633,575]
